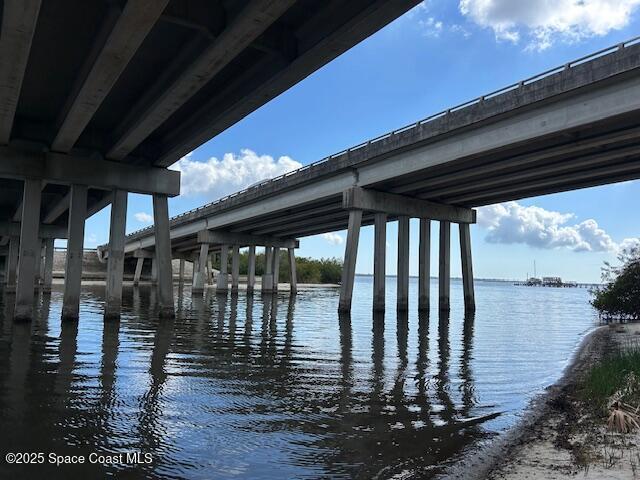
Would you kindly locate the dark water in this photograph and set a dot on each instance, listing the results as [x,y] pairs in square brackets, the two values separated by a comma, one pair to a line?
[273,387]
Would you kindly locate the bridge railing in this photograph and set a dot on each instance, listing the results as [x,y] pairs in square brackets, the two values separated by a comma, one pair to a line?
[430,118]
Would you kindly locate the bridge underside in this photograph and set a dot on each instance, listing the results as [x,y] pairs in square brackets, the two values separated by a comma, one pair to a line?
[98,98]
[575,127]
[569,128]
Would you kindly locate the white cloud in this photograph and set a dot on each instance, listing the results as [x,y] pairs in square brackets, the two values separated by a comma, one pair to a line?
[419,8]
[143,217]
[629,243]
[216,178]
[543,22]
[511,222]
[90,240]
[431,27]
[333,238]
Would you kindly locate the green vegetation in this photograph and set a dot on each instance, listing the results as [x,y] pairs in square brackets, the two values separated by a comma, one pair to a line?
[619,298]
[309,270]
[614,376]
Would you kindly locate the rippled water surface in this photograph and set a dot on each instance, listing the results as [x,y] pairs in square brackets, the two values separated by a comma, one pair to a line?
[278,387]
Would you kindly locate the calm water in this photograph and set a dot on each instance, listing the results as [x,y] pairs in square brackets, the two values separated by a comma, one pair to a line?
[262,387]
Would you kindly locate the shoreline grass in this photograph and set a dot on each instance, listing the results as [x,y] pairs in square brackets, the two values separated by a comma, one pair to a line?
[611,377]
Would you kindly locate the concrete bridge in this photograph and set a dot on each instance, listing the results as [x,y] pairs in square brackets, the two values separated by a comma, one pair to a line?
[571,127]
[98,98]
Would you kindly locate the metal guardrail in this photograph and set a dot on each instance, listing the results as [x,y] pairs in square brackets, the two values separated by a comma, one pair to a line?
[469,103]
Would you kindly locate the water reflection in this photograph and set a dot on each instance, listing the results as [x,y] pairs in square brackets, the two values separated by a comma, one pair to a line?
[249,386]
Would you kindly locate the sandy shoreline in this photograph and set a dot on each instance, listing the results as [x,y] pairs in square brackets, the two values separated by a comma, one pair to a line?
[558,438]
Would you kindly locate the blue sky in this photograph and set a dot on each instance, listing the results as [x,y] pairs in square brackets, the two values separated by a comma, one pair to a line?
[438,55]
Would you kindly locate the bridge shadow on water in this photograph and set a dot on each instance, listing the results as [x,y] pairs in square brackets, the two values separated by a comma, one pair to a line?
[247,386]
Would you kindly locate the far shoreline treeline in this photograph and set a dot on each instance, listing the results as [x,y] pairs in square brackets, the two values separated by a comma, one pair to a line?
[308,270]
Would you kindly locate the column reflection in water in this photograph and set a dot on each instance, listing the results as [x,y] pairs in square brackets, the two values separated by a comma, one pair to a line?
[290,392]
[152,426]
[107,416]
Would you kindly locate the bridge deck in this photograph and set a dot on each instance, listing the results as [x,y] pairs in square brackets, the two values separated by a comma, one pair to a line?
[144,82]
[568,128]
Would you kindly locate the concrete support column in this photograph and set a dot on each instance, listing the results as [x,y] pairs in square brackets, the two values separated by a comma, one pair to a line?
[39,262]
[403,263]
[293,275]
[379,261]
[199,272]
[163,255]
[222,284]
[208,271]
[29,249]
[276,268]
[154,271]
[194,270]
[467,267]
[47,274]
[267,278]
[424,264]
[12,264]
[138,273]
[181,271]
[251,269]
[444,274]
[350,256]
[235,268]
[115,262]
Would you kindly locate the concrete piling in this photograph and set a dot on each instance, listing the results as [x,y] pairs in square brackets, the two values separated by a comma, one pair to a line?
[115,262]
[379,261]
[444,275]
[350,256]
[403,264]
[424,264]
[29,249]
[162,259]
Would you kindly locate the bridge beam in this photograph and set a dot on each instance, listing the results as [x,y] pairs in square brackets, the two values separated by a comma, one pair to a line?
[241,239]
[393,204]
[248,26]
[467,268]
[379,261]
[12,229]
[424,264]
[350,256]
[19,18]
[444,274]
[66,169]
[115,262]
[163,255]
[134,23]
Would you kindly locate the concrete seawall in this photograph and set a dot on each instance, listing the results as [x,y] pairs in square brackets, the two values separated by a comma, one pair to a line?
[93,269]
